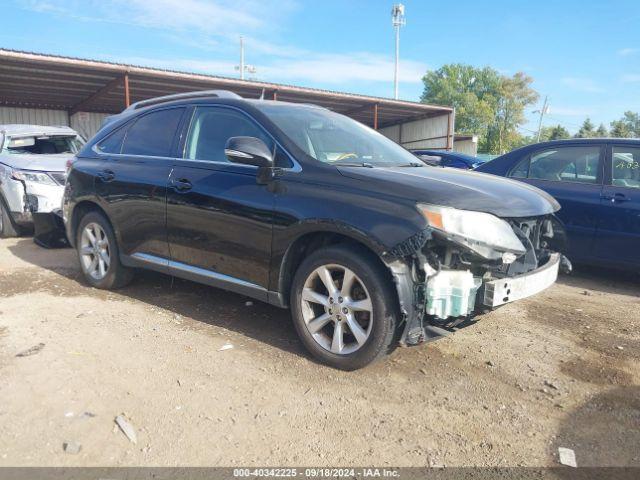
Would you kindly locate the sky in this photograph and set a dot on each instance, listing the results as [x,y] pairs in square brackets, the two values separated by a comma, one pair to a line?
[584,55]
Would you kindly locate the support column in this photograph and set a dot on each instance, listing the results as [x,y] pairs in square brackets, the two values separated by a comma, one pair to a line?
[375,116]
[127,96]
[450,131]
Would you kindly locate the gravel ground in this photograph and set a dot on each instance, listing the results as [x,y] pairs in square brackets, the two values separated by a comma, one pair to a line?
[561,369]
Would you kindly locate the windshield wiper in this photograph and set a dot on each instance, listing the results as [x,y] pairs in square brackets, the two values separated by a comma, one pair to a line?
[412,164]
[355,164]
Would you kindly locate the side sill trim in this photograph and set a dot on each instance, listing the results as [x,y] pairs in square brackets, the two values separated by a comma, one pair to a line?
[201,275]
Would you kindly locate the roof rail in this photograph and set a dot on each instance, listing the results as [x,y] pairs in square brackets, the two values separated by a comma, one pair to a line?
[180,96]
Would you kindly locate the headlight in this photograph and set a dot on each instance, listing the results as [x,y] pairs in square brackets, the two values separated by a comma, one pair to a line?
[37,177]
[482,232]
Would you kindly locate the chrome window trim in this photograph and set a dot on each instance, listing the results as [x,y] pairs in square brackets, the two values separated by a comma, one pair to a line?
[296,168]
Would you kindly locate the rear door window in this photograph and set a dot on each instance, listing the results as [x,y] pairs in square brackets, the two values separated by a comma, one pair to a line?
[625,167]
[153,133]
[581,164]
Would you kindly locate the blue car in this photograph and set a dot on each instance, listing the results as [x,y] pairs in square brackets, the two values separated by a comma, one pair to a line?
[597,183]
[445,158]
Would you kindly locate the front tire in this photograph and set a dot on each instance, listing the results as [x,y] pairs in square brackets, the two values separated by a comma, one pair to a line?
[344,307]
[98,253]
[8,228]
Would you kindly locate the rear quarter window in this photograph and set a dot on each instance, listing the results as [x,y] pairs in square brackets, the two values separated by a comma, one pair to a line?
[153,133]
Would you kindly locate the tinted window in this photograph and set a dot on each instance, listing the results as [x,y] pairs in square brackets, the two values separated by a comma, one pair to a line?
[113,143]
[561,164]
[153,134]
[211,127]
[626,167]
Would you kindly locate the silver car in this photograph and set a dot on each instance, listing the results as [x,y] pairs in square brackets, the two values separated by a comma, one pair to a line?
[33,162]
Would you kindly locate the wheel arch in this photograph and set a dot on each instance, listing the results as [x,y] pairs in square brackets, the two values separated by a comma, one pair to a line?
[322,236]
[80,210]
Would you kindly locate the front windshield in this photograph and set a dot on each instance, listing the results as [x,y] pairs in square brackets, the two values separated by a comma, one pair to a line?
[336,139]
[44,144]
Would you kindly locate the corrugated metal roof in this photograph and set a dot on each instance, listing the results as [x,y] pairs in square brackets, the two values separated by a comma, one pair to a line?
[46,81]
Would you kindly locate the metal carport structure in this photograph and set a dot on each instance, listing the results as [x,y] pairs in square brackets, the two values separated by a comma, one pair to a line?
[80,86]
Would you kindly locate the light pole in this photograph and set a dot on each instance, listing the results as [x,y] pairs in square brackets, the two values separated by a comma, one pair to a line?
[397,19]
[543,111]
[242,67]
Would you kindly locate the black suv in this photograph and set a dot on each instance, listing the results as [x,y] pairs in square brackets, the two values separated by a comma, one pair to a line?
[306,209]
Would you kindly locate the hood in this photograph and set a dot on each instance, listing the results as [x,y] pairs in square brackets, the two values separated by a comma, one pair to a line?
[46,163]
[457,188]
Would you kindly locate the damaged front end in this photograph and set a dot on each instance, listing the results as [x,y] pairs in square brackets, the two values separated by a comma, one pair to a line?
[465,263]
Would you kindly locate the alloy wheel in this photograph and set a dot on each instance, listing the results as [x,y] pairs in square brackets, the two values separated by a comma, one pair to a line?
[95,253]
[337,309]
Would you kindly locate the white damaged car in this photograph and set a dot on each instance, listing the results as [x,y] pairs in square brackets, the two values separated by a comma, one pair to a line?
[33,161]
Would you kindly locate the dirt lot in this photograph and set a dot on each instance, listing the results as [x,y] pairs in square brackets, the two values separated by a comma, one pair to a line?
[560,369]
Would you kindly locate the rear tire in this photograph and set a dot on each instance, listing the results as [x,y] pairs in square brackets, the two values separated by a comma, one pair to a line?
[8,228]
[98,253]
[355,324]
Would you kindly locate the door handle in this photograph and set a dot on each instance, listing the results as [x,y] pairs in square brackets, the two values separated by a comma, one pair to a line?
[182,185]
[616,197]
[107,175]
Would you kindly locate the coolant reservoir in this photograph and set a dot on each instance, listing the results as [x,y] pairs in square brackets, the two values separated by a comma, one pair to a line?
[452,293]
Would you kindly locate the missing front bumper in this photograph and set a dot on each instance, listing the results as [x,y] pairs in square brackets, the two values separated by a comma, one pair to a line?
[439,308]
[505,290]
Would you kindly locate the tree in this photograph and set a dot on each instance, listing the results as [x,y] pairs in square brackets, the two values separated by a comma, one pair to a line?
[628,126]
[602,131]
[487,103]
[619,129]
[514,95]
[470,90]
[587,130]
[556,132]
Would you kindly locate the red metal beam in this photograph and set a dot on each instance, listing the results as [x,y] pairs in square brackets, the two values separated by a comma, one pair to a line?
[375,116]
[112,85]
[127,95]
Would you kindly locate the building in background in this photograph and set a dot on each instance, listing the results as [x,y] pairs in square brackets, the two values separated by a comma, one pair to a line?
[53,90]
[467,144]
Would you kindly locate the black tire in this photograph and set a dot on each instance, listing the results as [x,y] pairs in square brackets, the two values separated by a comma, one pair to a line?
[117,275]
[381,291]
[8,228]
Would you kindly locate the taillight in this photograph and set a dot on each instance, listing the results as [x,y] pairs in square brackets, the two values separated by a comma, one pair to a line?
[69,165]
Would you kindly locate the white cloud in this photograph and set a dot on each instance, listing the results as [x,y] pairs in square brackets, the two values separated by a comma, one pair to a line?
[313,68]
[625,52]
[214,25]
[212,17]
[631,77]
[582,84]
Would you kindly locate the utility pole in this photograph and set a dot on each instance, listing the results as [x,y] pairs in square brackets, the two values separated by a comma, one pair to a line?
[243,67]
[398,20]
[241,58]
[545,109]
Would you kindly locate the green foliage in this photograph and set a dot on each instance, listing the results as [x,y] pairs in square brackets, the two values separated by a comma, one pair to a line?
[602,131]
[627,127]
[555,132]
[487,103]
[619,129]
[587,130]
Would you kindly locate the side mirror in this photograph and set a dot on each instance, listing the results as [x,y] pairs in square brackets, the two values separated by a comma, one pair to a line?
[248,151]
